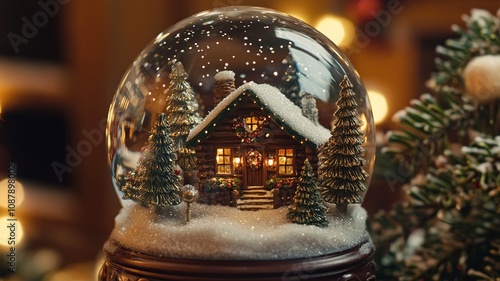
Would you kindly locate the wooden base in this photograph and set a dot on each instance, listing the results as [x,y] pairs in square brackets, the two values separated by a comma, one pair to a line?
[124,265]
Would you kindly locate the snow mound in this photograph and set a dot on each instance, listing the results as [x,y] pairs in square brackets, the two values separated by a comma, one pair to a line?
[226,233]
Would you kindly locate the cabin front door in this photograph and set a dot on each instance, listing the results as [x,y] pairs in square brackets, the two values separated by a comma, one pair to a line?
[254,162]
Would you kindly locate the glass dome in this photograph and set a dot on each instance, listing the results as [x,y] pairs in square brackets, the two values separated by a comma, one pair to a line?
[216,52]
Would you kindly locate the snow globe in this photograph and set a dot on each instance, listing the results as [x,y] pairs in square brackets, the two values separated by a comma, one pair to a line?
[240,143]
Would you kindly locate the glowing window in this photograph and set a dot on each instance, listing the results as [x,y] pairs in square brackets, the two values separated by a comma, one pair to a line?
[252,123]
[223,161]
[285,161]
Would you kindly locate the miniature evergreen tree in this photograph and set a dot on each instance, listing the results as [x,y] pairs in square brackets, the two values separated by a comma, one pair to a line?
[155,182]
[128,188]
[290,85]
[308,205]
[341,171]
[183,115]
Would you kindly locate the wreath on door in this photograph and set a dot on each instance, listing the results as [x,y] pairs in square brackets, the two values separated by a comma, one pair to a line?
[254,159]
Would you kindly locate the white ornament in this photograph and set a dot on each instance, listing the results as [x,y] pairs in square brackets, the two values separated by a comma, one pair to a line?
[482,78]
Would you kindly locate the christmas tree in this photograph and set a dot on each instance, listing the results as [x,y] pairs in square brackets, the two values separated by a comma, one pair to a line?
[290,85]
[154,181]
[448,225]
[183,115]
[341,171]
[308,205]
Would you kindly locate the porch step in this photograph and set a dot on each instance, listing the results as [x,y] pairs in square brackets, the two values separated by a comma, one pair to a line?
[256,198]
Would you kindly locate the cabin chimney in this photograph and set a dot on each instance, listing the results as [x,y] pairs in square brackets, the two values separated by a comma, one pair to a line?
[224,85]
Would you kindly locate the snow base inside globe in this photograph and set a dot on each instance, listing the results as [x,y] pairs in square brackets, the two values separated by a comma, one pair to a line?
[223,243]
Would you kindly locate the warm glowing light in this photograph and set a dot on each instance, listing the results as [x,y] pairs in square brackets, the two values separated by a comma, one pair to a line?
[16,191]
[340,30]
[237,160]
[270,162]
[282,160]
[379,106]
[364,124]
[12,232]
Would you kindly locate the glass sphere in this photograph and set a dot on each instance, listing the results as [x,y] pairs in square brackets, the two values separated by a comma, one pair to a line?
[249,44]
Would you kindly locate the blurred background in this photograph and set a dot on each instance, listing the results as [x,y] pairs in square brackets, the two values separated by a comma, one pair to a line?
[62,60]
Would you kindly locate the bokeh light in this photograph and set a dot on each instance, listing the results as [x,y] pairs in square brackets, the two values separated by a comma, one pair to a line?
[379,106]
[4,196]
[10,236]
[340,30]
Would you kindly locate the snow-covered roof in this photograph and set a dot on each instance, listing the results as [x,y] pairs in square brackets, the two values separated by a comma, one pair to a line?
[278,107]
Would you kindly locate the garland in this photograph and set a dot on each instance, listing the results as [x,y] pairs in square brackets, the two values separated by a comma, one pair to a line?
[219,184]
[246,134]
[281,183]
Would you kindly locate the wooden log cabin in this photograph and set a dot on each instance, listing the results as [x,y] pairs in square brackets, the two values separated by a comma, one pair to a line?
[253,134]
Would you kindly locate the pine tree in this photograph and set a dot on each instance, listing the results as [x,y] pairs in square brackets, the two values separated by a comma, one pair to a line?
[341,171]
[449,142]
[183,115]
[308,205]
[155,182]
[290,85]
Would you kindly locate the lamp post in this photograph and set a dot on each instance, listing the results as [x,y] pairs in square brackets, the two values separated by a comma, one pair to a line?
[188,196]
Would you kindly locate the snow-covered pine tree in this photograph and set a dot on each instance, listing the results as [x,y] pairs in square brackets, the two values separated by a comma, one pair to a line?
[290,85]
[341,170]
[183,115]
[308,206]
[155,182]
